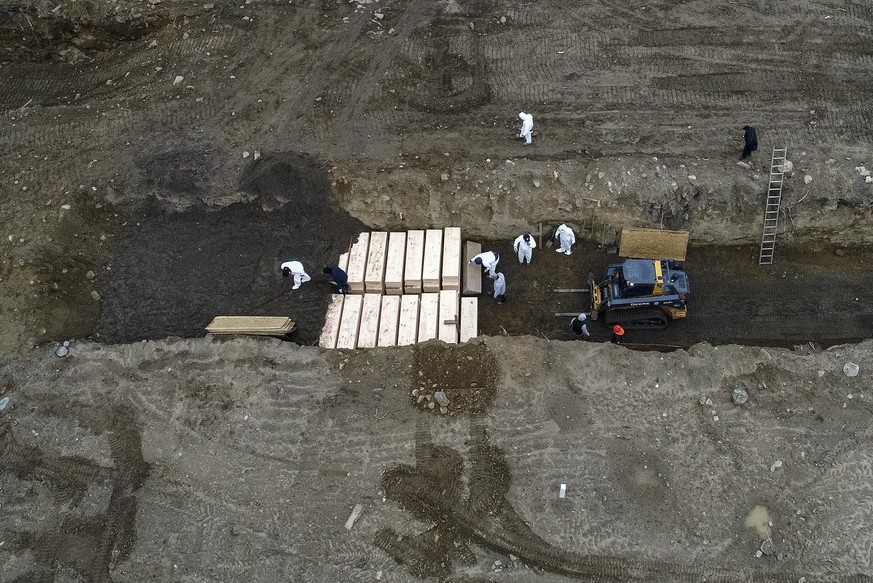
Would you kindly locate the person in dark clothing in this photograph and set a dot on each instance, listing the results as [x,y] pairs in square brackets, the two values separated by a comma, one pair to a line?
[751,141]
[617,334]
[580,327]
[339,278]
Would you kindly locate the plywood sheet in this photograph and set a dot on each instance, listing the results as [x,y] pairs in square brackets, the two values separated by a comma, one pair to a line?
[267,325]
[653,244]
[428,317]
[330,330]
[351,319]
[389,321]
[469,318]
[449,317]
[433,258]
[451,276]
[414,262]
[472,272]
[407,331]
[374,279]
[368,331]
[394,264]
[358,263]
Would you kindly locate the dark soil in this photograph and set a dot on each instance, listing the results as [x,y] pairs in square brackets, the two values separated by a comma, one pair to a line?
[809,295]
[172,272]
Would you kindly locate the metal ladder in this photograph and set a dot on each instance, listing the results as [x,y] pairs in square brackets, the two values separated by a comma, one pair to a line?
[771,211]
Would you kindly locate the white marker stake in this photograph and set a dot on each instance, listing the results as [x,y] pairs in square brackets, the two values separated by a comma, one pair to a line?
[563,492]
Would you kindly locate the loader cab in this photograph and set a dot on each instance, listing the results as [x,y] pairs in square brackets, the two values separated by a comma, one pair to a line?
[636,278]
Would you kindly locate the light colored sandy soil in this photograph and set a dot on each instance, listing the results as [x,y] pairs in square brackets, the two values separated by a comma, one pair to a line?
[243,459]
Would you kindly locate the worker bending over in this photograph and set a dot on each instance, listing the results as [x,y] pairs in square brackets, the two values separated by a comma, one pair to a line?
[488,260]
[524,246]
[339,278]
[295,268]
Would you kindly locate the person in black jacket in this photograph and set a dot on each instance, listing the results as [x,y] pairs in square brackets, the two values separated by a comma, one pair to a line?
[751,137]
[338,277]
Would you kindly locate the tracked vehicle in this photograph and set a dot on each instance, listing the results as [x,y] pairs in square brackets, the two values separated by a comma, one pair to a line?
[640,294]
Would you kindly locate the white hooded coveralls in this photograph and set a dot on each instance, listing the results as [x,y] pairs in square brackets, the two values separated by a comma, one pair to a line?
[566,237]
[488,260]
[300,275]
[524,248]
[526,126]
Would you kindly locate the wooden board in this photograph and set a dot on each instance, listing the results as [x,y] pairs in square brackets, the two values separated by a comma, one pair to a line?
[394,264]
[449,316]
[374,279]
[407,330]
[251,325]
[350,321]
[451,276]
[472,272]
[428,314]
[433,257]
[469,318]
[414,262]
[330,330]
[358,263]
[653,244]
[389,321]
[368,331]
[343,262]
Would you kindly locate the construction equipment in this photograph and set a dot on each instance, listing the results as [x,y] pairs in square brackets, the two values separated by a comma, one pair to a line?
[645,291]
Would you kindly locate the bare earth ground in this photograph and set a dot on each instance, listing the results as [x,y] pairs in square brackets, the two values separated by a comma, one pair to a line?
[158,160]
[204,460]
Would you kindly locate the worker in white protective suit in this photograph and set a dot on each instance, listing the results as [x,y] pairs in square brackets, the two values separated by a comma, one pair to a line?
[566,238]
[488,260]
[524,246]
[295,268]
[526,127]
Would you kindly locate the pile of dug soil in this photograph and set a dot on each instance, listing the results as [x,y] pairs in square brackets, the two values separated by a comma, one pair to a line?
[172,272]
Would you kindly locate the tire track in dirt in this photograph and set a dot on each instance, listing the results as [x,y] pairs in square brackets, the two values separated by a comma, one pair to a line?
[88,544]
[429,491]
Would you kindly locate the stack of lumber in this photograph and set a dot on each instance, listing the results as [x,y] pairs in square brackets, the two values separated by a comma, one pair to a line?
[251,325]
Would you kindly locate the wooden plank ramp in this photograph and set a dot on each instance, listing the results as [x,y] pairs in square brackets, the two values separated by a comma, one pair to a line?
[428,317]
[472,272]
[389,321]
[350,321]
[394,264]
[251,325]
[330,330]
[433,252]
[414,262]
[451,275]
[448,316]
[368,332]
[358,263]
[469,319]
[407,330]
[374,278]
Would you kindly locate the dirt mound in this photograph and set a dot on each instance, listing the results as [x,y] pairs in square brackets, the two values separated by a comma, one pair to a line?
[172,272]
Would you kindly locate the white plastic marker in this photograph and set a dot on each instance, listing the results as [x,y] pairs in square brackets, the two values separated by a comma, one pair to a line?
[563,492]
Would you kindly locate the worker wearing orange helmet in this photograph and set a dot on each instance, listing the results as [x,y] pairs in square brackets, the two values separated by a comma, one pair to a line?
[617,334]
